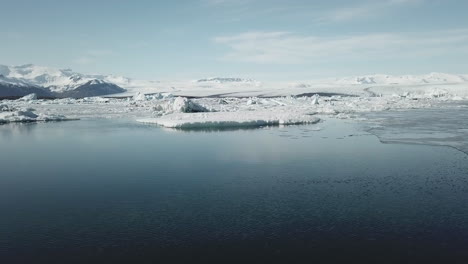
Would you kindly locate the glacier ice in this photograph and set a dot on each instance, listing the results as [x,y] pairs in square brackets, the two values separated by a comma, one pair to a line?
[27,115]
[231,119]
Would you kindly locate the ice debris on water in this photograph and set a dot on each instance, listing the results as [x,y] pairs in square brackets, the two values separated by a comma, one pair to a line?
[4,108]
[148,97]
[139,97]
[8,115]
[315,99]
[258,107]
[184,105]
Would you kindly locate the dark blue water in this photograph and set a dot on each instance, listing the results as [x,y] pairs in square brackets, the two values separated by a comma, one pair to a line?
[119,192]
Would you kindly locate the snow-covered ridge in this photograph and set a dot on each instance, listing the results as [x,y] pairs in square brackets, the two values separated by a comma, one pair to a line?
[382,79]
[57,79]
[53,81]
[355,86]
[14,81]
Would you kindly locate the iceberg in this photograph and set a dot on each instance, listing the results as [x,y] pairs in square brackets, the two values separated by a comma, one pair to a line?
[8,115]
[139,97]
[184,105]
[232,119]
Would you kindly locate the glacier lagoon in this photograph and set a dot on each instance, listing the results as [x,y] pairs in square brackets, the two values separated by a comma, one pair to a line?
[115,190]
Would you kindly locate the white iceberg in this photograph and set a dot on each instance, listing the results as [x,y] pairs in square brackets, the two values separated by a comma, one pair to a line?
[4,108]
[95,99]
[315,99]
[27,115]
[139,97]
[231,119]
[184,105]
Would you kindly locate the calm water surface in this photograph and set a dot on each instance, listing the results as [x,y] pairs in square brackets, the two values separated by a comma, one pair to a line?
[446,125]
[97,191]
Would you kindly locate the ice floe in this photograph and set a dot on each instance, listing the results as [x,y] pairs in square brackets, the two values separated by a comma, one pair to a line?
[8,115]
[232,119]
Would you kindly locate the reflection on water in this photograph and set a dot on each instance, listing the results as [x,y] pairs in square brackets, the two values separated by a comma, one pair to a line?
[446,126]
[117,191]
[304,128]
[8,131]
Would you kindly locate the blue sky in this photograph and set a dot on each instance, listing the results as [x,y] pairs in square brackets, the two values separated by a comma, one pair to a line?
[260,39]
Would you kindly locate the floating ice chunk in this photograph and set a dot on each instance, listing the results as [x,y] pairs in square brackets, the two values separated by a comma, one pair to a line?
[184,105]
[177,105]
[96,99]
[5,108]
[231,119]
[24,115]
[159,96]
[437,93]
[28,112]
[27,115]
[315,99]
[29,97]
[139,97]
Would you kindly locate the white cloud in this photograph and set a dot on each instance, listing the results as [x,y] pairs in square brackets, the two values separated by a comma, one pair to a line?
[289,48]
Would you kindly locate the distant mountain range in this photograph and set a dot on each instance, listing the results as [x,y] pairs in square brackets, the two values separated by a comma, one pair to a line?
[50,82]
[381,79]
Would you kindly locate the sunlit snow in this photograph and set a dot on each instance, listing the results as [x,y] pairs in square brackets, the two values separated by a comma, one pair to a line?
[229,101]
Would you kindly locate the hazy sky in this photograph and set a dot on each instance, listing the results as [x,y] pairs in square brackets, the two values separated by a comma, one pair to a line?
[260,39]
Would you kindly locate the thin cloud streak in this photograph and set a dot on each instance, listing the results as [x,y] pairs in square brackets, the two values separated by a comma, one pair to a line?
[289,48]
[236,10]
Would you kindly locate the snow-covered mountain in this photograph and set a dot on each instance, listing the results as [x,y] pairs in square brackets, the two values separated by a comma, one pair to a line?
[51,82]
[45,81]
[377,79]
[382,79]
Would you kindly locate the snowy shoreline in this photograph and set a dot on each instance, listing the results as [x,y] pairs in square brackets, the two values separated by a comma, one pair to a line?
[234,102]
